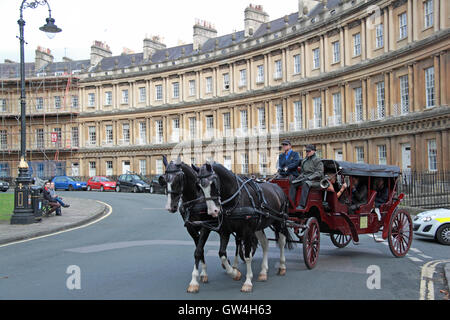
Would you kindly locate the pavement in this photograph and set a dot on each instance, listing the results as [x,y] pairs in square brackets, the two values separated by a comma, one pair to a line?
[81,212]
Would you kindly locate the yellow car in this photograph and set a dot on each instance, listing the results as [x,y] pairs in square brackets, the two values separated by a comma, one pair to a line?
[434,224]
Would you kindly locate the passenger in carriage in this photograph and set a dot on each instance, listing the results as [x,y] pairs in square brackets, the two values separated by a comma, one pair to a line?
[311,173]
[288,162]
[333,187]
[382,192]
[359,193]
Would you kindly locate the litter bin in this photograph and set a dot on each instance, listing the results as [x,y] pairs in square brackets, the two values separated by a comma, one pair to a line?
[36,200]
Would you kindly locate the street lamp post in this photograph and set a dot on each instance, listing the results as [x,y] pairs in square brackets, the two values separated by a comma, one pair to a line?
[23,211]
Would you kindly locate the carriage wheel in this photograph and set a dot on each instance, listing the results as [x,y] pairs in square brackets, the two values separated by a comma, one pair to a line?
[400,233]
[340,240]
[311,243]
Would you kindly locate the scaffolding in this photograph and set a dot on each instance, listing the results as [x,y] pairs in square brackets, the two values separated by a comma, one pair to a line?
[52,133]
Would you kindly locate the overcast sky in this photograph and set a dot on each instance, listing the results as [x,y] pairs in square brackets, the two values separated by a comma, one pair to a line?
[121,23]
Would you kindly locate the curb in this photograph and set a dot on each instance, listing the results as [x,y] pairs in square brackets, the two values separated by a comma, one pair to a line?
[95,216]
[447,274]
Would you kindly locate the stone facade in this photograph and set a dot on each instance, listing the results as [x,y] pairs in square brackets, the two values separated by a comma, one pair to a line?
[364,80]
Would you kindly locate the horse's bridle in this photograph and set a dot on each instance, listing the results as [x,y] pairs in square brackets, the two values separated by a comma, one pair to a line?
[214,178]
[177,172]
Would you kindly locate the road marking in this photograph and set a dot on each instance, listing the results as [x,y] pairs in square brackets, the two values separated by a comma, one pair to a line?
[426,279]
[415,250]
[425,256]
[64,231]
[415,259]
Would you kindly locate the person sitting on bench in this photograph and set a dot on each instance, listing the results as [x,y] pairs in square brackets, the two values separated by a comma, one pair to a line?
[55,206]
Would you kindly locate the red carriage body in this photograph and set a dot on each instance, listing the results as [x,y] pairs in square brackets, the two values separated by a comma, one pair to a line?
[325,213]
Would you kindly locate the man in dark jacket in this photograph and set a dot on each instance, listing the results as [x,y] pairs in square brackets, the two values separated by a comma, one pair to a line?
[288,161]
[382,192]
[55,206]
[310,176]
[359,194]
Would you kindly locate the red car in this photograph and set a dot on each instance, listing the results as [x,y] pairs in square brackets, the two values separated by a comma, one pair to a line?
[101,183]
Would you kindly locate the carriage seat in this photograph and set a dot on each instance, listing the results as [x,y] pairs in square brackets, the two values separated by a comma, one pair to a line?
[367,208]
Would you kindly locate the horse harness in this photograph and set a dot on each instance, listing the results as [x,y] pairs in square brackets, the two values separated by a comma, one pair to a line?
[245,213]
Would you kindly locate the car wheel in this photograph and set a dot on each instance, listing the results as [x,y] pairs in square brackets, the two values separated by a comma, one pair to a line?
[135,189]
[152,190]
[443,234]
[70,188]
[102,189]
[117,188]
[89,188]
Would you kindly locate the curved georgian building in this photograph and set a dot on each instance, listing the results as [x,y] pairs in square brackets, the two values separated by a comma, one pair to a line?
[364,80]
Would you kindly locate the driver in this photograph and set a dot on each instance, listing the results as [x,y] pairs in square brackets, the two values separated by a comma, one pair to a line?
[288,161]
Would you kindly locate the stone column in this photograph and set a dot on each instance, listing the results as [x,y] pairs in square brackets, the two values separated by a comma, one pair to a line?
[416,106]
[387,93]
[347,45]
[322,54]
[415,18]
[409,13]
[390,30]
[363,39]
[411,87]
[284,65]
[365,95]
[342,46]
[443,78]
[386,30]
[437,79]
[437,15]
[303,58]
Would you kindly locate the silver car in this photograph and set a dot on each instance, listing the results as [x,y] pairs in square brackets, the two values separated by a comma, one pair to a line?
[434,224]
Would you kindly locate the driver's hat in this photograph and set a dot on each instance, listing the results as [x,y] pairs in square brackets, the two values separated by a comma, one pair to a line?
[286,143]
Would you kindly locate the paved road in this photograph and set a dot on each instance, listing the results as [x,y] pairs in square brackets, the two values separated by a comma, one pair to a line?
[142,252]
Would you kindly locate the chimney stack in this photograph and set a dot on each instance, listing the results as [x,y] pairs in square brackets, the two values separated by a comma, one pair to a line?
[99,50]
[203,31]
[43,57]
[305,7]
[151,45]
[254,18]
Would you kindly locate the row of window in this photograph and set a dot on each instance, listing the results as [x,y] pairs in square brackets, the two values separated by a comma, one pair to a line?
[263,165]
[280,125]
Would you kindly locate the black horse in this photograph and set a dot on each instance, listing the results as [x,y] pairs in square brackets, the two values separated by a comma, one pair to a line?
[180,181]
[242,205]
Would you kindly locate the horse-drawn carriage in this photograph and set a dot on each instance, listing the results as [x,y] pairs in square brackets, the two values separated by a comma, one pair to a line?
[326,213]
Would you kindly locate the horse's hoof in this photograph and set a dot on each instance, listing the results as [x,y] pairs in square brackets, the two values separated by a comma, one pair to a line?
[193,288]
[281,272]
[262,277]
[238,275]
[247,288]
[204,279]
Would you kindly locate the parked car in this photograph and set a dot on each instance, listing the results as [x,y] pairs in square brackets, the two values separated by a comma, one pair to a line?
[155,187]
[132,182]
[4,186]
[101,183]
[68,183]
[434,224]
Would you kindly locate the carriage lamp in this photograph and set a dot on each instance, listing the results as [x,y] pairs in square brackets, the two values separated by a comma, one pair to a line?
[23,210]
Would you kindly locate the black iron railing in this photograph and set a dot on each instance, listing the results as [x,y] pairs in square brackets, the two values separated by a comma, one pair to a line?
[426,189]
